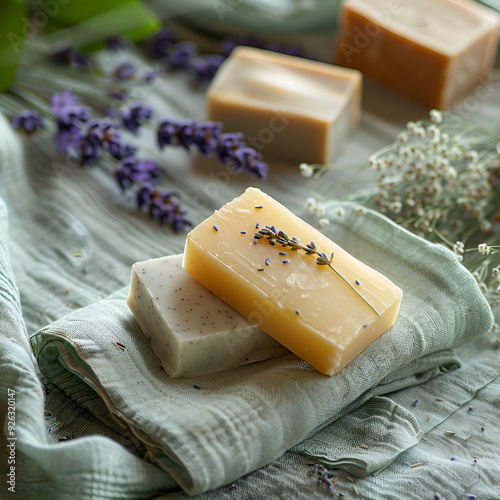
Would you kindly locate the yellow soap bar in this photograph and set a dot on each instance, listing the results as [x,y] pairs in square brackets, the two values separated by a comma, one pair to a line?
[433,51]
[326,315]
[289,108]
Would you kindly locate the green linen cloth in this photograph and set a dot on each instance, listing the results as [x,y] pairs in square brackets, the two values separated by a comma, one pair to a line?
[245,418]
[58,213]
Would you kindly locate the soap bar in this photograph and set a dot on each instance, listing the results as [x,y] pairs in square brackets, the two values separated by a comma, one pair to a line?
[289,107]
[191,330]
[433,51]
[326,316]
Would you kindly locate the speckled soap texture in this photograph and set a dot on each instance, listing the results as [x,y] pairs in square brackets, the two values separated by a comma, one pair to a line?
[191,330]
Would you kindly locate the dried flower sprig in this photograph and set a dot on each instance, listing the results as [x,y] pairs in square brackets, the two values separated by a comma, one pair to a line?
[186,56]
[207,138]
[91,141]
[440,178]
[275,236]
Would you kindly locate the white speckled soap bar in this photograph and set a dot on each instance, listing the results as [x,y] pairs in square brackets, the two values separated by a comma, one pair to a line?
[191,330]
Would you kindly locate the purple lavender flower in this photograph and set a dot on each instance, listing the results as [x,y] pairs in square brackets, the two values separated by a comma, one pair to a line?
[205,67]
[162,206]
[68,55]
[29,121]
[118,149]
[119,94]
[133,171]
[248,159]
[161,43]
[124,71]
[233,151]
[181,54]
[150,76]
[206,136]
[67,139]
[175,131]
[89,152]
[227,144]
[229,148]
[99,132]
[115,43]
[136,115]
[62,100]
[68,113]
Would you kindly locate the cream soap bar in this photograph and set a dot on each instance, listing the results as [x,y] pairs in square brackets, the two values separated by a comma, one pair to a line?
[289,108]
[433,51]
[191,330]
[307,307]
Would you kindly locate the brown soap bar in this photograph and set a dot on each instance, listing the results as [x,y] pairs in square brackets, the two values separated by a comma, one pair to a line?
[289,108]
[433,51]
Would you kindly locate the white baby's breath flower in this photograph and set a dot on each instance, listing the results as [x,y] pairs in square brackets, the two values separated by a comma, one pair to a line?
[483,249]
[320,210]
[396,207]
[472,156]
[420,132]
[306,170]
[496,272]
[360,210]
[411,126]
[340,212]
[451,173]
[444,138]
[312,205]
[459,248]
[323,222]
[436,116]
[433,131]
[402,137]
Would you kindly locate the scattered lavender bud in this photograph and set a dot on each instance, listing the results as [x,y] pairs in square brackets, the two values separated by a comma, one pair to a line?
[72,57]
[124,71]
[204,67]
[115,43]
[132,171]
[181,54]
[150,76]
[136,115]
[29,121]
[119,94]
[161,43]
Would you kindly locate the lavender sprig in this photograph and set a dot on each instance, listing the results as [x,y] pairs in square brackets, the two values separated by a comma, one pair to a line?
[88,140]
[27,120]
[275,236]
[185,56]
[208,139]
